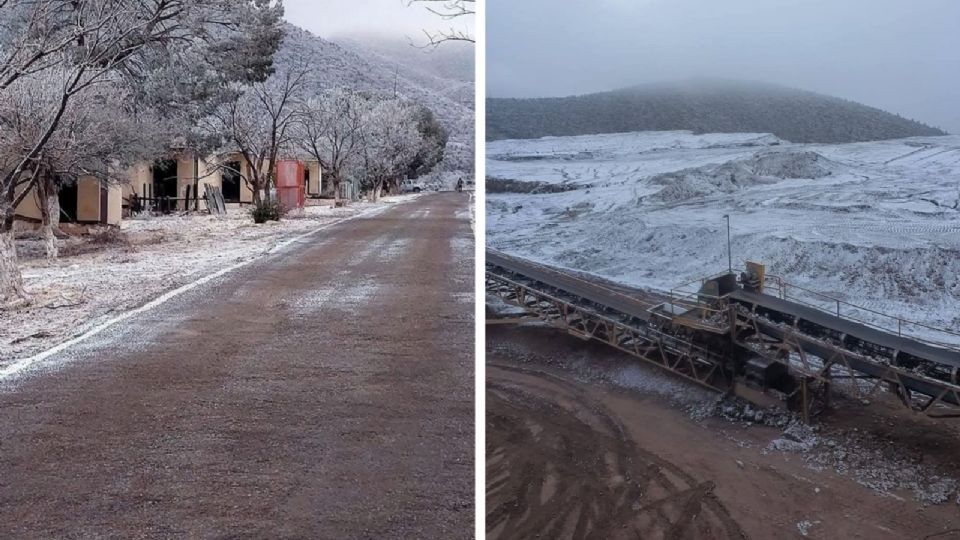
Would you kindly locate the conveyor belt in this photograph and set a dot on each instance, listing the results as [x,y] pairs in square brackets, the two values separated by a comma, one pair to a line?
[865,333]
[572,284]
[930,370]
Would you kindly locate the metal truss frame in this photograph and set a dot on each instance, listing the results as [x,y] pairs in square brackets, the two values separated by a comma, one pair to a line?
[941,401]
[628,335]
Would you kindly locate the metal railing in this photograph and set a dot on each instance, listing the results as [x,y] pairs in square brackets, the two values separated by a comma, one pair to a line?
[777,286]
[707,306]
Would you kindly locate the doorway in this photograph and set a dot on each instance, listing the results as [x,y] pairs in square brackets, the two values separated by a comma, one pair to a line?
[231,182]
[69,198]
[165,185]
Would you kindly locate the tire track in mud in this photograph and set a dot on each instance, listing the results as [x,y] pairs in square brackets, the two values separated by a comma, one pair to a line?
[561,465]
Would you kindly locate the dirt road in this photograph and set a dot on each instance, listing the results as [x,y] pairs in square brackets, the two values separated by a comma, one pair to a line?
[322,392]
[577,456]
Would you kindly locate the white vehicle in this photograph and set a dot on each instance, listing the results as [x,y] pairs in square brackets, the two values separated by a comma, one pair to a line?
[410,186]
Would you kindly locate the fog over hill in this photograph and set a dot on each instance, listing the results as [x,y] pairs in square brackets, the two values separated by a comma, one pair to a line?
[701,106]
[451,61]
[354,66]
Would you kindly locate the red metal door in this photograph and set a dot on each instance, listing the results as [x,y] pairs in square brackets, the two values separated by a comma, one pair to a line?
[290,184]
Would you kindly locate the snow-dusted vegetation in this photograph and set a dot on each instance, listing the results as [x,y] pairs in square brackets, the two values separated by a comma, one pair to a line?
[89,90]
[874,223]
[149,69]
[449,97]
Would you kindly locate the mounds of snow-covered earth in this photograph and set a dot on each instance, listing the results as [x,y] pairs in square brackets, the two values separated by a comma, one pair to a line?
[761,168]
[115,272]
[875,224]
[613,158]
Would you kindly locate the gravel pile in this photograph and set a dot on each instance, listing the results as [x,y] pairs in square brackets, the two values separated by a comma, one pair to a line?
[879,465]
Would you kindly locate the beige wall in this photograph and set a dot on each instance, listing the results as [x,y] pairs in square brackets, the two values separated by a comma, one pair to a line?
[140,182]
[139,178]
[88,200]
[315,185]
[185,176]
[114,204]
[88,203]
[29,208]
[246,193]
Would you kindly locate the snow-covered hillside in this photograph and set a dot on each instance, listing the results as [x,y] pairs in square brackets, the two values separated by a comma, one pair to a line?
[877,223]
[332,65]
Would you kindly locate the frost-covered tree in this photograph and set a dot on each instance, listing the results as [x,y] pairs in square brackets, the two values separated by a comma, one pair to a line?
[433,143]
[92,41]
[259,124]
[449,94]
[391,141]
[100,135]
[330,130]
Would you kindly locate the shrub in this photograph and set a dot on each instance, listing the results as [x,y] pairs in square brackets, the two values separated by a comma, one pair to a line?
[265,211]
[107,236]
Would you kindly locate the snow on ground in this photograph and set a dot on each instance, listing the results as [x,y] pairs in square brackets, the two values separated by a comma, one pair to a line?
[618,157]
[113,273]
[876,224]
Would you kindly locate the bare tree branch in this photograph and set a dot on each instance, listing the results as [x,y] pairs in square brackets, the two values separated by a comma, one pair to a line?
[448,10]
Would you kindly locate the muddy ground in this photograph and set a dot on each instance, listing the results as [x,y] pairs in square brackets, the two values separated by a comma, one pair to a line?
[324,391]
[583,442]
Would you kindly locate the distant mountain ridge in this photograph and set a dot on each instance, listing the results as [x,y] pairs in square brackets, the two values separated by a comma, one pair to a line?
[701,106]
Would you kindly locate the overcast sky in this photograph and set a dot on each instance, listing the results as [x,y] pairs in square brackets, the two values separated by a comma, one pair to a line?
[900,55]
[389,18]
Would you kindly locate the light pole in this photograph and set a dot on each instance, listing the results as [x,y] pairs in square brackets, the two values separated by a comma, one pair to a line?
[729,253]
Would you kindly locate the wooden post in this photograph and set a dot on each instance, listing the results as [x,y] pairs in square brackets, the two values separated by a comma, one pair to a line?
[196,185]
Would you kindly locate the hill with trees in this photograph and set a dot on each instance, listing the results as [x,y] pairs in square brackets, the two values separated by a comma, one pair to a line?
[701,106]
[333,65]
